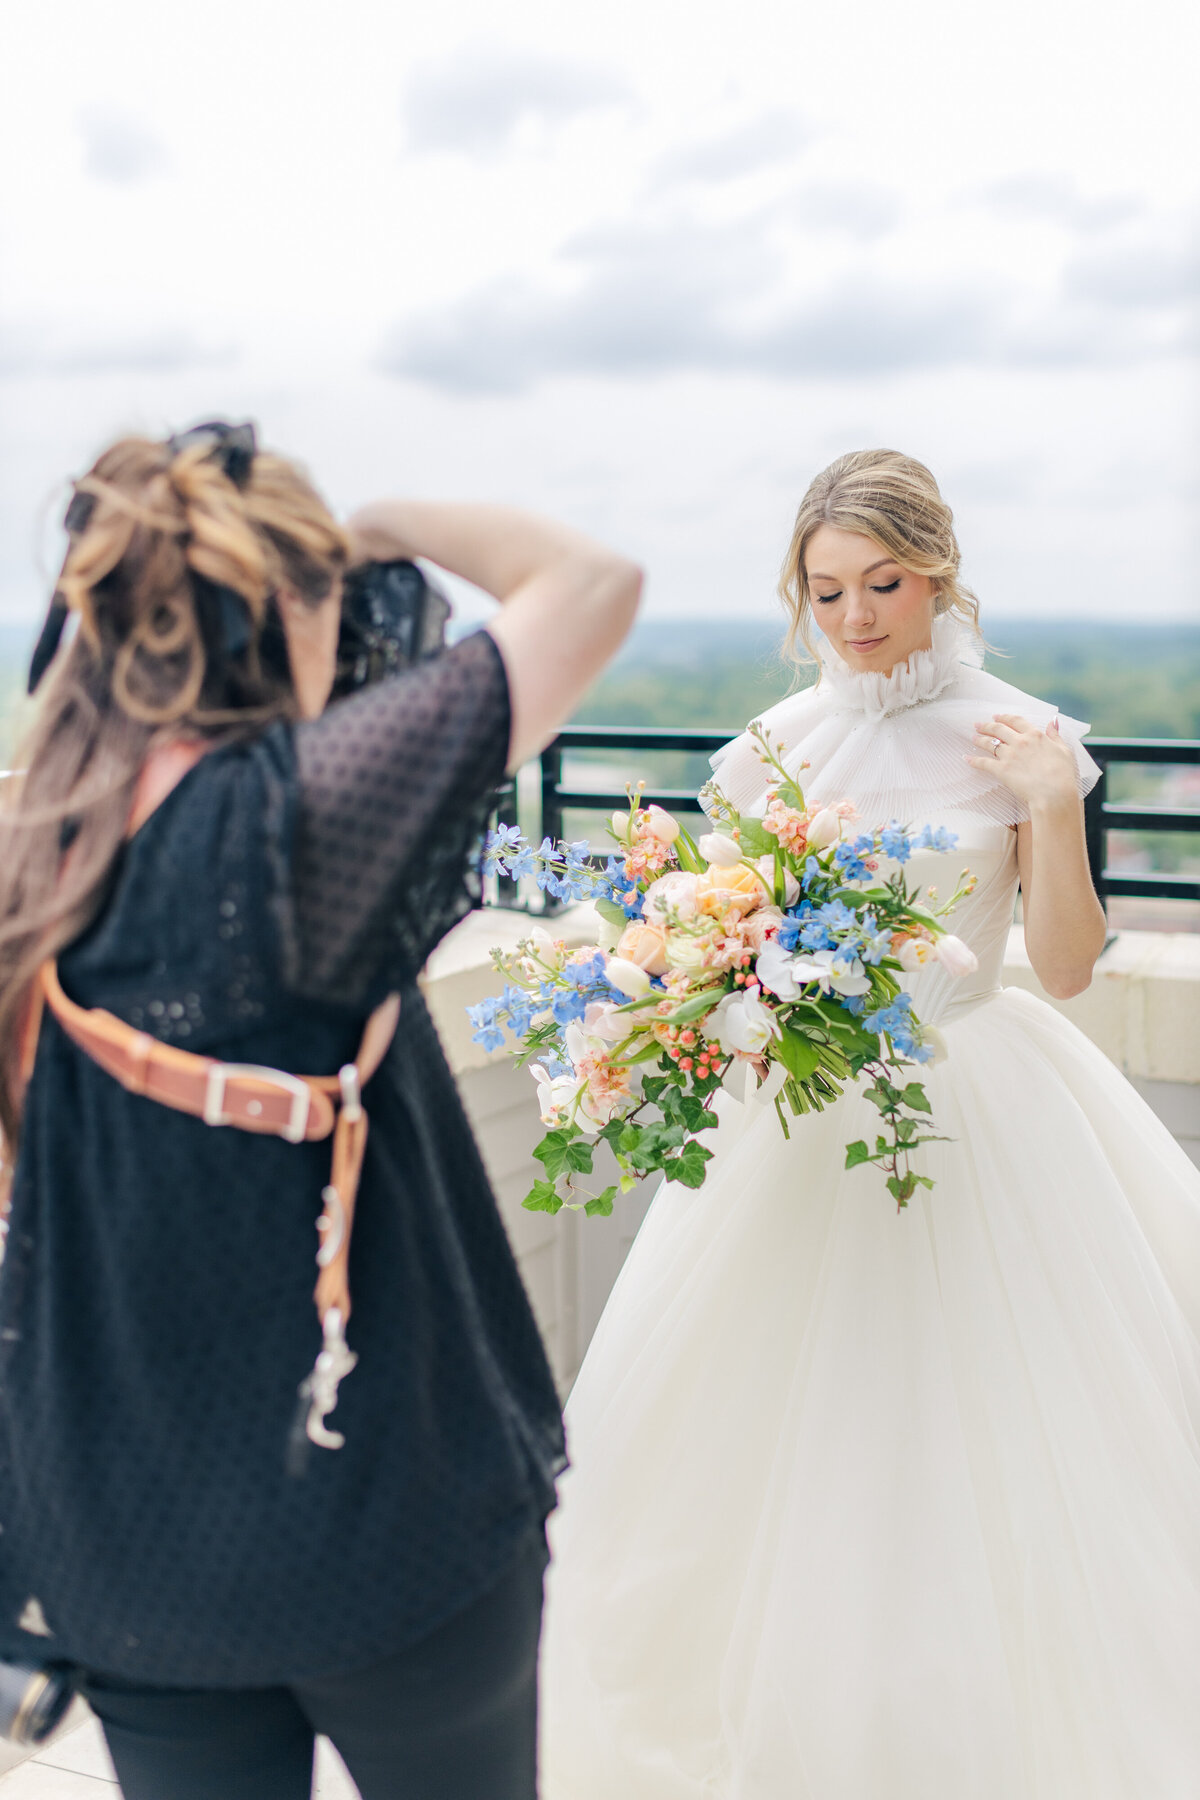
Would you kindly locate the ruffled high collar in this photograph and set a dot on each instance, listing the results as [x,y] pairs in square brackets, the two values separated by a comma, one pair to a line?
[923,677]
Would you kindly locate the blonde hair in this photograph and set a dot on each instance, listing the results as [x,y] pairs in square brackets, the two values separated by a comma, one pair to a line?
[894,501]
[161,533]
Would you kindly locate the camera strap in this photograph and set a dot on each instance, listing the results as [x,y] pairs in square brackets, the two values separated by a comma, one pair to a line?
[249,1097]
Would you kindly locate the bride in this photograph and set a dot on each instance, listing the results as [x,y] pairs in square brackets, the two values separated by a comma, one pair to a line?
[869,1506]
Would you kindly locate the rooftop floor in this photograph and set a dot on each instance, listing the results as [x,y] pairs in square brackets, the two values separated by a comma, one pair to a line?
[75,1766]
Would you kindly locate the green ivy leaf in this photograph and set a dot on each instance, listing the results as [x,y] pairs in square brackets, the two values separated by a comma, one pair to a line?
[543,1197]
[901,1188]
[696,1115]
[915,1098]
[579,1156]
[652,1086]
[688,1166]
[601,1204]
[857,1153]
[562,1152]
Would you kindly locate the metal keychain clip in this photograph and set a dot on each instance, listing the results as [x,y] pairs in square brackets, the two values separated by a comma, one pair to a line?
[320,1389]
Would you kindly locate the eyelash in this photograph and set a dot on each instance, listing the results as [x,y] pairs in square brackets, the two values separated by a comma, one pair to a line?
[889,589]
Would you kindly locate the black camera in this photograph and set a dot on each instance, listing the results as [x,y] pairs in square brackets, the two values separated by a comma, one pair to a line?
[392,617]
[33,1700]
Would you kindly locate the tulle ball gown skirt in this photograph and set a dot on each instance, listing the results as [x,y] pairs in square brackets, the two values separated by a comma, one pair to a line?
[869,1506]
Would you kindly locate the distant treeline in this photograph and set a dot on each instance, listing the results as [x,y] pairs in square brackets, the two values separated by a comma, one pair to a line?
[1127,680]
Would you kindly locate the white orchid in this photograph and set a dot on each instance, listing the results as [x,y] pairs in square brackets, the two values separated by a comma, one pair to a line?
[776,970]
[556,1093]
[835,971]
[742,1023]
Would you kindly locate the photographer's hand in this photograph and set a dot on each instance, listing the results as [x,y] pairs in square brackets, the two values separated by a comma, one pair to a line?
[567,601]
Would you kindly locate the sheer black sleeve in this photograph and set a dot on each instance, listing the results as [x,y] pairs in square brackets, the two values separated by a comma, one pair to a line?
[395,786]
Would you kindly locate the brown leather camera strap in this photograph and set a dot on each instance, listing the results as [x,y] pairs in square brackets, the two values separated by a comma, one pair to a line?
[300,1108]
[249,1097]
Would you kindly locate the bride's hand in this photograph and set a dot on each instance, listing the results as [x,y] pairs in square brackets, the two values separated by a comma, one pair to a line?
[1038,766]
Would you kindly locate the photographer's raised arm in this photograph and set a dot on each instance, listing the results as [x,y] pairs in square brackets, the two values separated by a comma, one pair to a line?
[567,601]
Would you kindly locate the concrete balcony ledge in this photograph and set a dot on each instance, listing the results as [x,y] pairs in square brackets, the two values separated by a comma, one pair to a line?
[1141,1008]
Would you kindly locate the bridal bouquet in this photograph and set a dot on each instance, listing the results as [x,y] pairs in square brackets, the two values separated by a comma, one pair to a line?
[768,950]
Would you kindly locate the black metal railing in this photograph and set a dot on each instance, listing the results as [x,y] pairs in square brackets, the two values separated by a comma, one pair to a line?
[1102,815]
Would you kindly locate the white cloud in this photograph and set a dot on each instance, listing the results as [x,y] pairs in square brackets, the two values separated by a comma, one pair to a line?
[118,147]
[742,149]
[478,99]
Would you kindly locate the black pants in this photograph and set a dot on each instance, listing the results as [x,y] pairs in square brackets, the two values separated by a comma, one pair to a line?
[452,1718]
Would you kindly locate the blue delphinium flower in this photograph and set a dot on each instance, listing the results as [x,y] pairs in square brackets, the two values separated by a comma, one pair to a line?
[522,862]
[935,838]
[848,859]
[483,1017]
[895,1020]
[874,944]
[500,844]
[787,934]
[895,842]
[568,1004]
[621,889]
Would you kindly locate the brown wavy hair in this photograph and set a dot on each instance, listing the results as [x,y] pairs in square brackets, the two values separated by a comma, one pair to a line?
[151,659]
[893,500]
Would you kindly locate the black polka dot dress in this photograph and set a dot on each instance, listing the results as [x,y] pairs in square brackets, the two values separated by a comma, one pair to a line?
[156,1312]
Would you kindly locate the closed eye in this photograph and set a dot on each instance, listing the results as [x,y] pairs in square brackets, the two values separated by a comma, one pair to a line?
[824,597]
[889,589]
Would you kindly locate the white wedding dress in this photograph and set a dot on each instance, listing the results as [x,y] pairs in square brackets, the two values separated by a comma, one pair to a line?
[880,1506]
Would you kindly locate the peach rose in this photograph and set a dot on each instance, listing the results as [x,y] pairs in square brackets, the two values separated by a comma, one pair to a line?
[760,926]
[644,945]
[675,892]
[719,889]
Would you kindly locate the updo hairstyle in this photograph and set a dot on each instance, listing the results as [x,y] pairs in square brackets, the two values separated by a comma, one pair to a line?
[894,501]
[171,568]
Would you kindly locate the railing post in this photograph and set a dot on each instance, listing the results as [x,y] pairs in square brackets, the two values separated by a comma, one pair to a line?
[552,810]
[1094,831]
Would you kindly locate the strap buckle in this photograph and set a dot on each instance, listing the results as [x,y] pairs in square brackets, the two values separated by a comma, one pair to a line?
[222,1073]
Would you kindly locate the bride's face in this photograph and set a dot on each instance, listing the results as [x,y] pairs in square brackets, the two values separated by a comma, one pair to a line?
[874,612]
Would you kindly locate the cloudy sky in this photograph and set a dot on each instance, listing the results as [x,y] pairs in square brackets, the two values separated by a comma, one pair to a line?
[647,265]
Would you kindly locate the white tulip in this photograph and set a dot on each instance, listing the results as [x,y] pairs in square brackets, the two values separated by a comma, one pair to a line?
[915,953]
[620,827]
[602,1020]
[933,1040]
[659,824]
[824,829]
[627,978]
[719,851]
[955,957]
